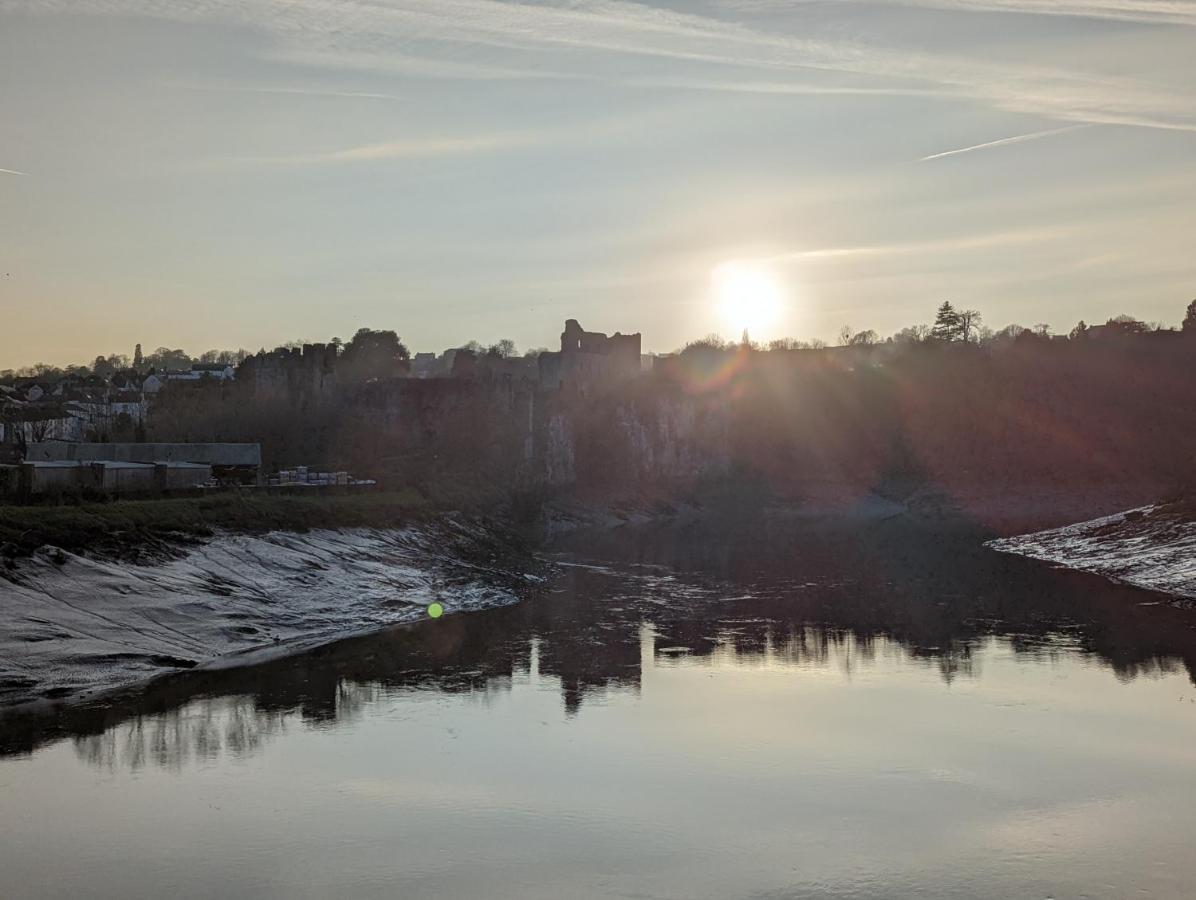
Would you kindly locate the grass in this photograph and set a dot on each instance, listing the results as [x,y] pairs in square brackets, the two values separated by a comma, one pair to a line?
[137,527]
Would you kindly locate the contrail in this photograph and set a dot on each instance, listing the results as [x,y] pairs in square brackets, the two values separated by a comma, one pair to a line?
[12,172]
[1016,139]
[304,92]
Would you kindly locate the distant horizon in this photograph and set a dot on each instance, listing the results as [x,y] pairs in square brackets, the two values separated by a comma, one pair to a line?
[520,350]
[264,169]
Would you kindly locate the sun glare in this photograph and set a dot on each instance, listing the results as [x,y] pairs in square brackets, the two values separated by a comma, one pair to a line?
[749,296]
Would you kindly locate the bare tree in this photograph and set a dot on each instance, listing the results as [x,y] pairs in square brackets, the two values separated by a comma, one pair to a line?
[866,338]
[969,321]
[503,349]
[912,334]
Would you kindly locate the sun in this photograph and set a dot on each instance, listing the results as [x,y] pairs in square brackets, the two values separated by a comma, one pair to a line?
[749,296]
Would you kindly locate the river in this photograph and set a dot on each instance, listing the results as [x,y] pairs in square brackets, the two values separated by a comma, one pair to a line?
[767,708]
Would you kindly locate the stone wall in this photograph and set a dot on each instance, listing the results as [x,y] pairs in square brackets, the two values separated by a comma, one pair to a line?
[291,376]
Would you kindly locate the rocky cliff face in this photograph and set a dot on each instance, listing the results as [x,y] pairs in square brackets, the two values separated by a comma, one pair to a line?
[629,440]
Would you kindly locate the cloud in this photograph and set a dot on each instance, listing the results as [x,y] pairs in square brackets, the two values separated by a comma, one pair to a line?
[934,245]
[1016,139]
[1151,12]
[301,92]
[12,172]
[424,147]
[433,147]
[781,88]
[486,38]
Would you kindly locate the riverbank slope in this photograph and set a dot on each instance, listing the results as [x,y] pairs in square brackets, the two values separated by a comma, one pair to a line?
[128,598]
[1152,547]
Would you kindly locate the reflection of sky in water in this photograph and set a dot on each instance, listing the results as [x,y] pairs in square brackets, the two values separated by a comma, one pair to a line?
[736,743]
[722,776]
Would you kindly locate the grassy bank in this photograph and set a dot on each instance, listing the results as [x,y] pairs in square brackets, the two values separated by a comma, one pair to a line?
[137,528]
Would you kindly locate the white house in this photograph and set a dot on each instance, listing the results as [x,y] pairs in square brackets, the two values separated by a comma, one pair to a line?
[223,371]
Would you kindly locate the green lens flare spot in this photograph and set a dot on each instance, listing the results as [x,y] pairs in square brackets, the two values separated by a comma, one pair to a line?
[435,610]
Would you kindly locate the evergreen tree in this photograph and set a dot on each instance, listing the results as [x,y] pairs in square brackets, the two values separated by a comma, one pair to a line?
[138,359]
[946,323]
[1190,319]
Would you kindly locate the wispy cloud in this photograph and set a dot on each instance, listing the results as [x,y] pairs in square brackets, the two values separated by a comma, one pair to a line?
[12,172]
[1002,142]
[434,147]
[782,88]
[478,38]
[933,245]
[1151,12]
[426,147]
[296,91]
[584,131]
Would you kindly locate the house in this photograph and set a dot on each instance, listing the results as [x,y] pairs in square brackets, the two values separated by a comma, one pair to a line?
[222,371]
[41,421]
[32,390]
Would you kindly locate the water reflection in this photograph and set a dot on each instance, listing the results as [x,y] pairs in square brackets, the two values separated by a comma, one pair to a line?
[200,730]
[781,593]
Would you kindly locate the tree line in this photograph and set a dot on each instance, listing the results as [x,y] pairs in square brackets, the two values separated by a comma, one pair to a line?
[384,351]
[951,325]
[164,359]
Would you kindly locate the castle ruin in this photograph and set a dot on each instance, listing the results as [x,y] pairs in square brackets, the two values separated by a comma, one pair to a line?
[590,358]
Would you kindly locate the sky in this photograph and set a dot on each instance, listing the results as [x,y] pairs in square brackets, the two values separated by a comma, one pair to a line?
[241,173]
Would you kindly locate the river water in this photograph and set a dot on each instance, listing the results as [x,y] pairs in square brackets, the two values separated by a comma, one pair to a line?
[763,709]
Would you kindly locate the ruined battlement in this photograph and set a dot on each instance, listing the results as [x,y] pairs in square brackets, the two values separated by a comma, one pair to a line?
[588,359]
[575,339]
[294,373]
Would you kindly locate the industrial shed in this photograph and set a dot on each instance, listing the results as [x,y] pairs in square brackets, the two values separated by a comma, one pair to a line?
[53,477]
[180,476]
[116,477]
[233,462]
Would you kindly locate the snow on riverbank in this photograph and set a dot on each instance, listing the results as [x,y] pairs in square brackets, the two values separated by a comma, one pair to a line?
[1152,547]
[75,624]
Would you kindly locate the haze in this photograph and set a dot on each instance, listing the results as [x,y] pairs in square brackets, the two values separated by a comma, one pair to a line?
[210,173]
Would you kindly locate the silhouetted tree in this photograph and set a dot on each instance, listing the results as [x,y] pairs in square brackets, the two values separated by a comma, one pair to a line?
[866,338]
[1189,324]
[375,354]
[503,349]
[969,324]
[946,323]
[138,358]
[951,324]
[710,342]
[1128,324]
[224,357]
[912,334]
[784,344]
[164,359]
